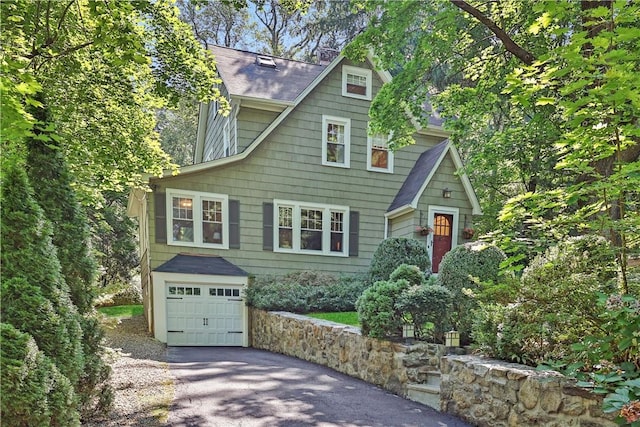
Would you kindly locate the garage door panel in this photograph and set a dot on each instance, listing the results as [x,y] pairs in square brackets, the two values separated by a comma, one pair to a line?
[204,315]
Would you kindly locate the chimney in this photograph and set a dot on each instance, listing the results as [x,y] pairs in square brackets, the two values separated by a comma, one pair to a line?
[326,55]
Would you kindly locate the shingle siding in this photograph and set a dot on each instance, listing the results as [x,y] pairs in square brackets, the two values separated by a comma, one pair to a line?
[288,165]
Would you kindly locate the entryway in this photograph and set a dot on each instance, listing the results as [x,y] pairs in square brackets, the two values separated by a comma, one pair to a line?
[442,238]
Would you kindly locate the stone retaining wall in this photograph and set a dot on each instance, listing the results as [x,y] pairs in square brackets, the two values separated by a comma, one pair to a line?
[489,392]
[386,364]
[485,392]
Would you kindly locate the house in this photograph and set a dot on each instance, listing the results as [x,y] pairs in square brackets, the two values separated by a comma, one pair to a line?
[289,180]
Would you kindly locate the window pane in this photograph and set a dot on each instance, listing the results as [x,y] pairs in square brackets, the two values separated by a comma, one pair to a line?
[285,230]
[337,224]
[182,231]
[212,232]
[212,221]
[311,229]
[285,237]
[196,291]
[337,221]
[335,153]
[379,158]
[285,217]
[311,240]
[182,219]
[335,143]
[336,242]
[356,84]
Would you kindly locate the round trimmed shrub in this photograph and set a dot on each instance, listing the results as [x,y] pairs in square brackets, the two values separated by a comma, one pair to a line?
[379,317]
[427,303]
[393,252]
[462,271]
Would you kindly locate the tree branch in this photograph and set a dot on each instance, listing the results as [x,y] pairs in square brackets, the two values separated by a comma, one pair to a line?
[520,53]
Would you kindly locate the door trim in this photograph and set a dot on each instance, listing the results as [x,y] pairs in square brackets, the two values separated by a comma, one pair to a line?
[446,210]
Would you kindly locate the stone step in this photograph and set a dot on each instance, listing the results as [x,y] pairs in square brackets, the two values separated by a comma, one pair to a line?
[433,378]
[426,394]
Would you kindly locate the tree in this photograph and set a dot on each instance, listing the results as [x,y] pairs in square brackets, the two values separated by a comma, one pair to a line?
[114,240]
[217,22]
[177,128]
[546,84]
[35,297]
[102,68]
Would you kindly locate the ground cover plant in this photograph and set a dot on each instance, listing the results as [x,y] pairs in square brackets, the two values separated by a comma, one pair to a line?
[122,310]
[344,317]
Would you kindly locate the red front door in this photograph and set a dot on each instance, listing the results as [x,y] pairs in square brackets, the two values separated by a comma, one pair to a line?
[442,233]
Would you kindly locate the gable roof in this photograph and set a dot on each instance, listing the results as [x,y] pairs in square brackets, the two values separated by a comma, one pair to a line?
[244,77]
[434,128]
[423,170]
[200,264]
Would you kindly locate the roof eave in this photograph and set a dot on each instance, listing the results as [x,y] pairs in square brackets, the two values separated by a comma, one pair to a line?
[404,209]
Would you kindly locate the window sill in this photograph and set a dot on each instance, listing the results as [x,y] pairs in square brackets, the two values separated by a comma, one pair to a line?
[198,245]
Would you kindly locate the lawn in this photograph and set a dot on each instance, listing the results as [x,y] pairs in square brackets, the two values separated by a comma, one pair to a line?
[122,310]
[346,318]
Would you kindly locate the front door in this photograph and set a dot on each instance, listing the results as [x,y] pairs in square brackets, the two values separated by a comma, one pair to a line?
[442,238]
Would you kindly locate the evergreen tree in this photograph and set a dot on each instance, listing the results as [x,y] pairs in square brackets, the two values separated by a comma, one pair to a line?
[36,298]
[51,182]
[34,392]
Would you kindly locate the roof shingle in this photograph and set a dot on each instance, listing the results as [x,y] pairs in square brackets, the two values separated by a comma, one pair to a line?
[200,264]
[244,77]
[418,175]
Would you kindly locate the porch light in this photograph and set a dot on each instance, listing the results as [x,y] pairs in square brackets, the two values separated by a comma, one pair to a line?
[452,339]
[408,332]
[446,193]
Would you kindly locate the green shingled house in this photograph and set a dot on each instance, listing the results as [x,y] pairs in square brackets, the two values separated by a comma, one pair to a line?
[288,181]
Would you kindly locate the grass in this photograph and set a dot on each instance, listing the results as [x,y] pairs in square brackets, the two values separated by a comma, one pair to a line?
[346,318]
[122,311]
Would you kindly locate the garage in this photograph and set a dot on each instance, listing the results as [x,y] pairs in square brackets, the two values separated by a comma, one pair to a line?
[199,301]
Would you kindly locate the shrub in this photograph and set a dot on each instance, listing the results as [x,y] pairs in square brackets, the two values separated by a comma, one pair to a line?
[377,310]
[462,270]
[557,304]
[129,295]
[425,303]
[34,392]
[395,251]
[304,292]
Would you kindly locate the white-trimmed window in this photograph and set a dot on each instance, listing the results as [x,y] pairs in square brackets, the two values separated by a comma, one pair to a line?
[336,141]
[356,82]
[197,219]
[379,157]
[311,228]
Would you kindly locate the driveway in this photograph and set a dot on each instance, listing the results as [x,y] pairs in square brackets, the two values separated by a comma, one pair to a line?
[228,387]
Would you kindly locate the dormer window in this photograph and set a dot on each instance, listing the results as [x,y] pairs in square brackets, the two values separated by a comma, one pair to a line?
[356,82]
[265,61]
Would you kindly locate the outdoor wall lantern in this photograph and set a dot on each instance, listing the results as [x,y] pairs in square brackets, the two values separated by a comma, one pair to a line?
[446,193]
[408,332]
[452,339]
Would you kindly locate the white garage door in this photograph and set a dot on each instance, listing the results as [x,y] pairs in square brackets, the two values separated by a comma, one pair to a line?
[204,315]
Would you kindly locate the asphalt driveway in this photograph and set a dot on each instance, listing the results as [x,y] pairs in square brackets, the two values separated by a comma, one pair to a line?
[228,387]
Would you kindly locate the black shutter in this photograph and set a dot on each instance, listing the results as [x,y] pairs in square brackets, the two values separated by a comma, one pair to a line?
[160,205]
[354,232]
[267,226]
[234,224]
